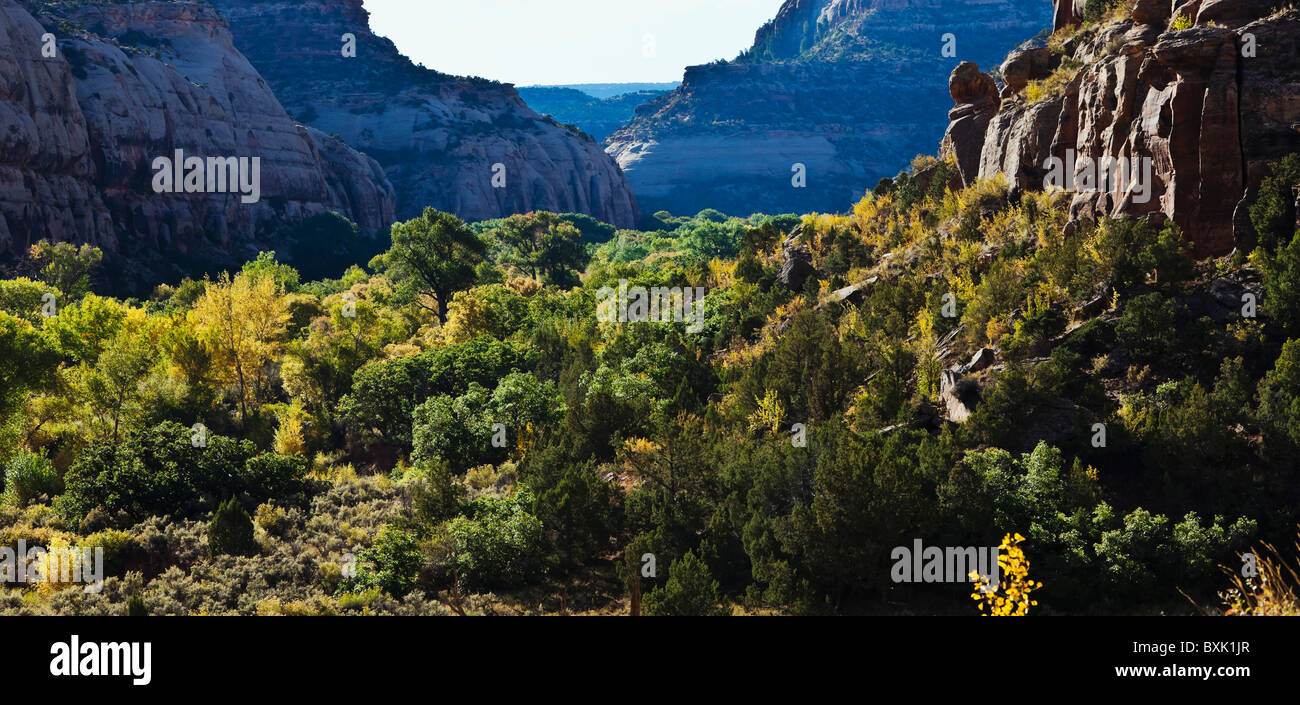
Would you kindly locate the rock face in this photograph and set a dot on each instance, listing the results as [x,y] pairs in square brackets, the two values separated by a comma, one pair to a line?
[1205,109]
[84,127]
[438,137]
[976,96]
[833,96]
[797,267]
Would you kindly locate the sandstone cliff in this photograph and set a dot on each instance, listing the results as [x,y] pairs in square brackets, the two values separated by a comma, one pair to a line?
[132,82]
[1209,105]
[850,89]
[437,136]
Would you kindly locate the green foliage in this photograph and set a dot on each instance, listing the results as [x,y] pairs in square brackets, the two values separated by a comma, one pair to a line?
[1274,212]
[28,361]
[690,591]
[392,564]
[1146,325]
[432,257]
[27,478]
[135,606]
[26,299]
[266,265]
[1279,405]
[170,469]
[231,531]
[1281,284]
[385,393]
[497,543]
[544,246]
[66,266]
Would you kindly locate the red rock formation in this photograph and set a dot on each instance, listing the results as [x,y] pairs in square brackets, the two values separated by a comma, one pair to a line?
[1207,108]
[89,122]
[976,96]
[1065,13]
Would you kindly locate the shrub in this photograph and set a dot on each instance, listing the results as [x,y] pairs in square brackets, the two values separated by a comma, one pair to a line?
[1146,327]
[391,565]
[499,544]
[231,531]
[1273,214]
[159,470]
[27,477]
[690,591]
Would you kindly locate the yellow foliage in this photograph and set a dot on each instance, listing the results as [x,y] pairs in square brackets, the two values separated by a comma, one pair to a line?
[524,286]
[1273,590]
[769,415]
[1011,596]
[722,274]
[289,435]
[243,323]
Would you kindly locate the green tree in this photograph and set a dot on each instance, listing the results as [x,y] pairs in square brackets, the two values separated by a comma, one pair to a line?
[66,266]
[113,384]
[498,543]
[231,531]
[283,275]
[544,246]
[392,564]
[28,362]
[27,477]
[432,257]
[1273,213]
[690,591]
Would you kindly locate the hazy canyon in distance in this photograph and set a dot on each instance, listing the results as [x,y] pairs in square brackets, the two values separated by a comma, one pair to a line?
[850,89]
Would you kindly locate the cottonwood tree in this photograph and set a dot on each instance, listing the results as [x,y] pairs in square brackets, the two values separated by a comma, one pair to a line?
[243,321]
[432,257]
[113,383]
[66,266]
[543,245]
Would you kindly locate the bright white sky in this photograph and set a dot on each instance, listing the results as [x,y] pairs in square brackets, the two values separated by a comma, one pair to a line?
[529,42]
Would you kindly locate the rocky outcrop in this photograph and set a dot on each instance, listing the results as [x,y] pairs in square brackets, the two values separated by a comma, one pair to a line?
[797,267]
[976,96]
[440,138]
[1067,13]
[85,126]
[1023,66]
[1204,110]
[833,96]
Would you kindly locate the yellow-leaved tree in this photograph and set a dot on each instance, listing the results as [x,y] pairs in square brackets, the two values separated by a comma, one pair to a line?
[289,436]
[1011,596]
[243,322]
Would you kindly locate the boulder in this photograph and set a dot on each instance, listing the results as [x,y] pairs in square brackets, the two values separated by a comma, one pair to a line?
[959,395]
[853,294]
[1152,12]
[983,359]
[969,85]
[797,268]
[1235,13]
[1024,66]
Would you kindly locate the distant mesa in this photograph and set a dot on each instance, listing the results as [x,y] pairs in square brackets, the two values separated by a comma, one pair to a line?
[850,89]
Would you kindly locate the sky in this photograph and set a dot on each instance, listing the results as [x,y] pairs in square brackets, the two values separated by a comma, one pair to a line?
[550,42]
